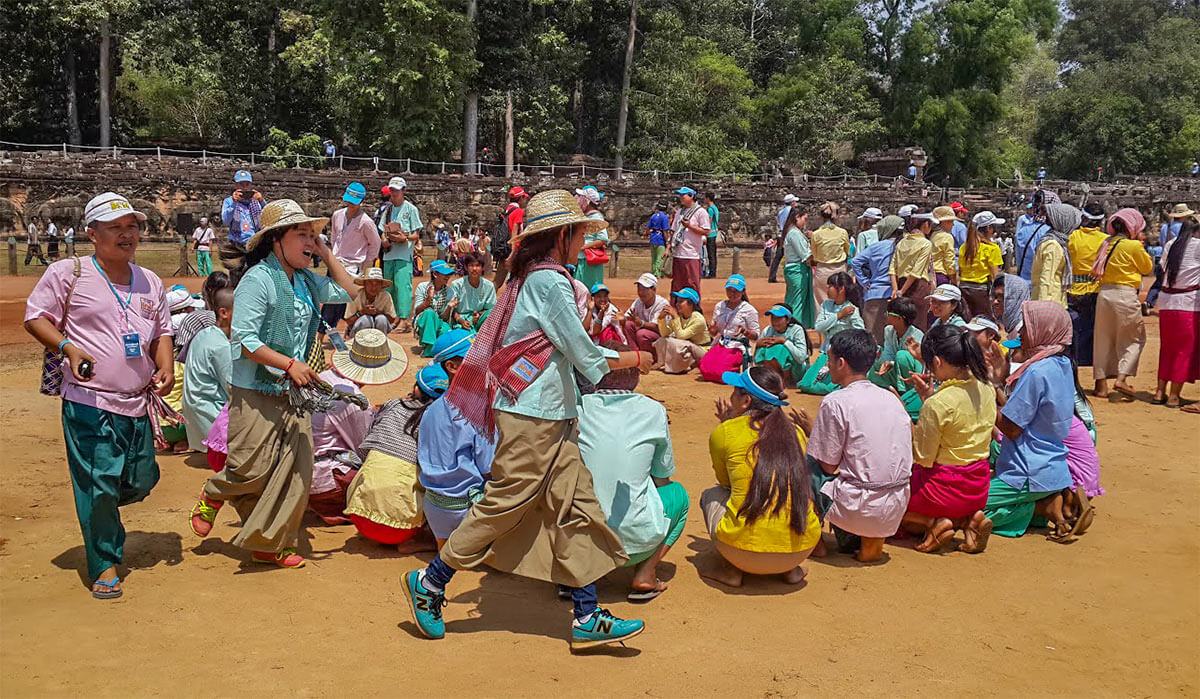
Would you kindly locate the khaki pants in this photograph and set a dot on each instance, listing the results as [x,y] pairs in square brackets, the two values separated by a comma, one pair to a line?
[677,356]
[1120,332]
[712,504]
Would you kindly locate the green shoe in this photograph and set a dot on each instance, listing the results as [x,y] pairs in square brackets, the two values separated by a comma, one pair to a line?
[426,606]
[603,628]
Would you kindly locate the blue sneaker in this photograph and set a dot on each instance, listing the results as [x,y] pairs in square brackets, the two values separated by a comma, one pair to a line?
[426,605]
[603,628]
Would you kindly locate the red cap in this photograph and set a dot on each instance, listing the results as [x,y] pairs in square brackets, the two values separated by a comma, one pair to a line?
[385,190]
[517,192]
[958,207]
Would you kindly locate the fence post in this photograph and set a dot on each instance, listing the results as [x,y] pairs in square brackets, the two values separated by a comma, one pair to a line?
[552,169]
[375,160]
[341,162]
[158,150]
[251,158]
[408,166]
[114,152]
[204,156]
[297,161]
[614,266]
[12,255]
[737,261]
[64,151]
[443,167]
[582,170]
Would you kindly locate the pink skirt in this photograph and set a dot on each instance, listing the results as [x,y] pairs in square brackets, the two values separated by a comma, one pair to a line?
[1179,354]
[1082,459]
[719,360]
[949,491]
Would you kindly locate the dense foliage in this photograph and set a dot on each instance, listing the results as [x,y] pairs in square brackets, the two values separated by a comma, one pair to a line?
[986,87]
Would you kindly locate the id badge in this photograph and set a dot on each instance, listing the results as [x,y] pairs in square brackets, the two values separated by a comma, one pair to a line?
[133,345]
[335,338]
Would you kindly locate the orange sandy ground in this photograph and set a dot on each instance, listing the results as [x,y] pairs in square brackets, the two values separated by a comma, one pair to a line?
[1114,614]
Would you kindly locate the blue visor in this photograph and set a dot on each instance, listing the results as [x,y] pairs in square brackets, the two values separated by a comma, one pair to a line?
[687,293]
[455,343]
[737,282]
[355,193]
[686,190]
[743,381]
[597,288]
[441,267]
[779,311]
[1011,344]
[433,380]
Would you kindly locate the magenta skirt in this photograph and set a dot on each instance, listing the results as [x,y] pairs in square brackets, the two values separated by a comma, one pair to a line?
[1179,354]
[949,491]
[719,360]
[1082,459]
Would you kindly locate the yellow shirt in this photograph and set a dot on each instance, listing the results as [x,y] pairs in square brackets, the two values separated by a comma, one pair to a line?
[693,329]
[979,269]
[912,257]
[1083,245]
[731,447]
[955,424]
[1127,264]
[1049,263]
[943,252]
[830,245]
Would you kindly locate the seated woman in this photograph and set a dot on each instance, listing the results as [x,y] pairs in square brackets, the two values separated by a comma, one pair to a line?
[476,296]
[1031,469]
[950,443]
[837,313]
[683,333]
[434,307]
[604,320]
[986,332]
[645,508]
[371,308]
[384,499]
[783,346]
[760,515]
[734,327]
[946,306]
[896,363]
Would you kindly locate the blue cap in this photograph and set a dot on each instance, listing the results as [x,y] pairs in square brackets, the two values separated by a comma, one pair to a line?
[441,267]
[688,293]
[779,311]
[597,288]
[355,193]
[736,281]
[242,176]
[743,381]
[1011,344]
[433,380]
[571,269]
[455,343]
[686,190]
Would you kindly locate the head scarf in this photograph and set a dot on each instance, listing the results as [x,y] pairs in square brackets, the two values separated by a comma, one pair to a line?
[888,226]
[1063,218]
[1047,332]
[1016,293]
[1134,222]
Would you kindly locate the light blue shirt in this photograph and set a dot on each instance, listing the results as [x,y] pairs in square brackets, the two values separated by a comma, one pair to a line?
[1168,231]
[829,324]
[795,340]
[1029,235]
[625,443]
[205,383]
[892,344]
[871,270]
[866,239]
[410,221]
[546,302]
[959,231]
[453,456]
[782,217]
[796,248]
[253,310]
[1042,404]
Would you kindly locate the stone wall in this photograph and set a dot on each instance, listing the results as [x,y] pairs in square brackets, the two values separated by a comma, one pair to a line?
[49,184]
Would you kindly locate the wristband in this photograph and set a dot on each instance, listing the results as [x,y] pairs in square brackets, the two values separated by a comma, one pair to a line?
[289,366]
[64,343]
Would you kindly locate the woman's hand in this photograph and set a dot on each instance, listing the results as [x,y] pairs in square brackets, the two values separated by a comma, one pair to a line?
[75,357]
[884,368]
[914,348]
[725,410]
[923,385]
[845,313]
[645,361]
[800,418]
[302,374]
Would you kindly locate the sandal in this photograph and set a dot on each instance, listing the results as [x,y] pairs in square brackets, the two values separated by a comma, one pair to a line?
[287,558]
[1061,534]
[1160,401]
[939,540]
[111,593]
[1087,513]
[647,595]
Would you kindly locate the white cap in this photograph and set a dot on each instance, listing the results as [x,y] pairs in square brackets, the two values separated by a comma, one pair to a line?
[180,299]
[109,207]
[872,212]
[648,280]
[986,218]
[790,199]
[907,210]
[397,183]
[983,323]
[203,219]
[923,217]
[590,193]
[946,292]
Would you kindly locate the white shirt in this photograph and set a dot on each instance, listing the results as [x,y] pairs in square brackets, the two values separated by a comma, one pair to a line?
[52,230]
[204,235]
[70,234]
[1188,276]
[729,320]
[692,243]
[648,315]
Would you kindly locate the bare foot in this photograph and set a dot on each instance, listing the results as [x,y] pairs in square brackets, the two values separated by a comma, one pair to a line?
[871,551]
[796,575]
[938,535]
[976,534]
[646,578]
[722,572]
[820,551]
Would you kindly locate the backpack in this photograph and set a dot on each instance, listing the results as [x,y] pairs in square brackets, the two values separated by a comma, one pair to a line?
[501,248]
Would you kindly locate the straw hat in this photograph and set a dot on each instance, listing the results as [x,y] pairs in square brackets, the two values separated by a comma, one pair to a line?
[944,213]
[554,208]
[371,359]
[1181,211]
[282,213]
[374,274]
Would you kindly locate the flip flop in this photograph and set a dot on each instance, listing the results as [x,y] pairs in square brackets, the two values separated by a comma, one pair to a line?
[1159,401]
[1061,534]
[646,595]
[111,593]
[1087,513]
[1125,391]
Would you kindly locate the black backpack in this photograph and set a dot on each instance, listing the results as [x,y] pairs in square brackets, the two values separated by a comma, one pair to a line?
[501,248]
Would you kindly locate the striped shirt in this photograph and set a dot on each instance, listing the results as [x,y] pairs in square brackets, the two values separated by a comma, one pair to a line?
[387,433]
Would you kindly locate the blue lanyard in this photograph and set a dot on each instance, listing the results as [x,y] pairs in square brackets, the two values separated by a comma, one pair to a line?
[123,304]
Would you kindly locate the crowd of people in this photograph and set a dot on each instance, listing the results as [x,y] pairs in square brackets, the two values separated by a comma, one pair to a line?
[952,402]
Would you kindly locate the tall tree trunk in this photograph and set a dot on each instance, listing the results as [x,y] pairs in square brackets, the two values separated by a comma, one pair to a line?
[105,83]
[471,106]
[75,136]
[623,110]
[577,113]
[509,145]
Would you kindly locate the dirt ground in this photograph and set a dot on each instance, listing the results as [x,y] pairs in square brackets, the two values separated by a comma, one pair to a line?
[1114,614]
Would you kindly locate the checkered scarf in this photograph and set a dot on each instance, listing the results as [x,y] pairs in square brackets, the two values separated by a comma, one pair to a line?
[1046,332]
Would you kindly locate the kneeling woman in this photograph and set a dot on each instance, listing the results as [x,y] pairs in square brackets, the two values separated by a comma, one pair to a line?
[951,442]
[269,468]
[734,328]
[783,345]
[539,516]
[435,306]
[760,516]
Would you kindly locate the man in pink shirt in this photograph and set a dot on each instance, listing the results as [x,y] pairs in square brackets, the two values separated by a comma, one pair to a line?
[691,227]
[862,444]
[354,240]
[109,320]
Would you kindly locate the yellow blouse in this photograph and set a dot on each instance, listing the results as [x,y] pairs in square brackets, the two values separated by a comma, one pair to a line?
[1083,245]
[943,252]
[731,446]
[694,329]
[830,245]
[1127,264]
[955,424]
[979,269]
[912,257]
[1048,265]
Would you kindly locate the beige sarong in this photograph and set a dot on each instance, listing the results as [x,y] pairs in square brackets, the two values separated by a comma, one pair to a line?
[820,280]
[539,516]
[1120,332]
[268,471]
[677,356]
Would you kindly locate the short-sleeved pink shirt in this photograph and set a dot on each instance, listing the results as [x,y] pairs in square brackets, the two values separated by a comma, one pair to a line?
[97,324]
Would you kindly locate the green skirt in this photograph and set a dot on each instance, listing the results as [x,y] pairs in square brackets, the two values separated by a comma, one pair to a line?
[1011,510]
[811,384]
[787,362]
[799,294]
[429,326]
[904,365]
[590,275]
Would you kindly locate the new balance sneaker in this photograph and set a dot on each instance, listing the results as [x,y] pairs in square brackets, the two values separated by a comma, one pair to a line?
[603,628]
[426,605]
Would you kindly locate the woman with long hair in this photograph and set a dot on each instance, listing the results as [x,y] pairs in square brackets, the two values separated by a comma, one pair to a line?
[538,516]
[1179,315]
[760,515]
[1121,266]
[980,262]
[797,267]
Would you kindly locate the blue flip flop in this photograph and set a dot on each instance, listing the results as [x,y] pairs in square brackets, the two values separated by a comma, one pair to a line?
[111,593]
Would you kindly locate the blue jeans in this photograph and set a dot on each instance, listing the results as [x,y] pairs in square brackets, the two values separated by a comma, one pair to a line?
[439,574]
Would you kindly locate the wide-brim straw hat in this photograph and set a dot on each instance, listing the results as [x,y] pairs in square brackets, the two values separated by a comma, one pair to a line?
[373,274]
[283,213]
[1181,211]
[371,359]
[554,208]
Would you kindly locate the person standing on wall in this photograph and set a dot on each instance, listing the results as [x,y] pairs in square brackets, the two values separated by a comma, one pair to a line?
[400,228]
